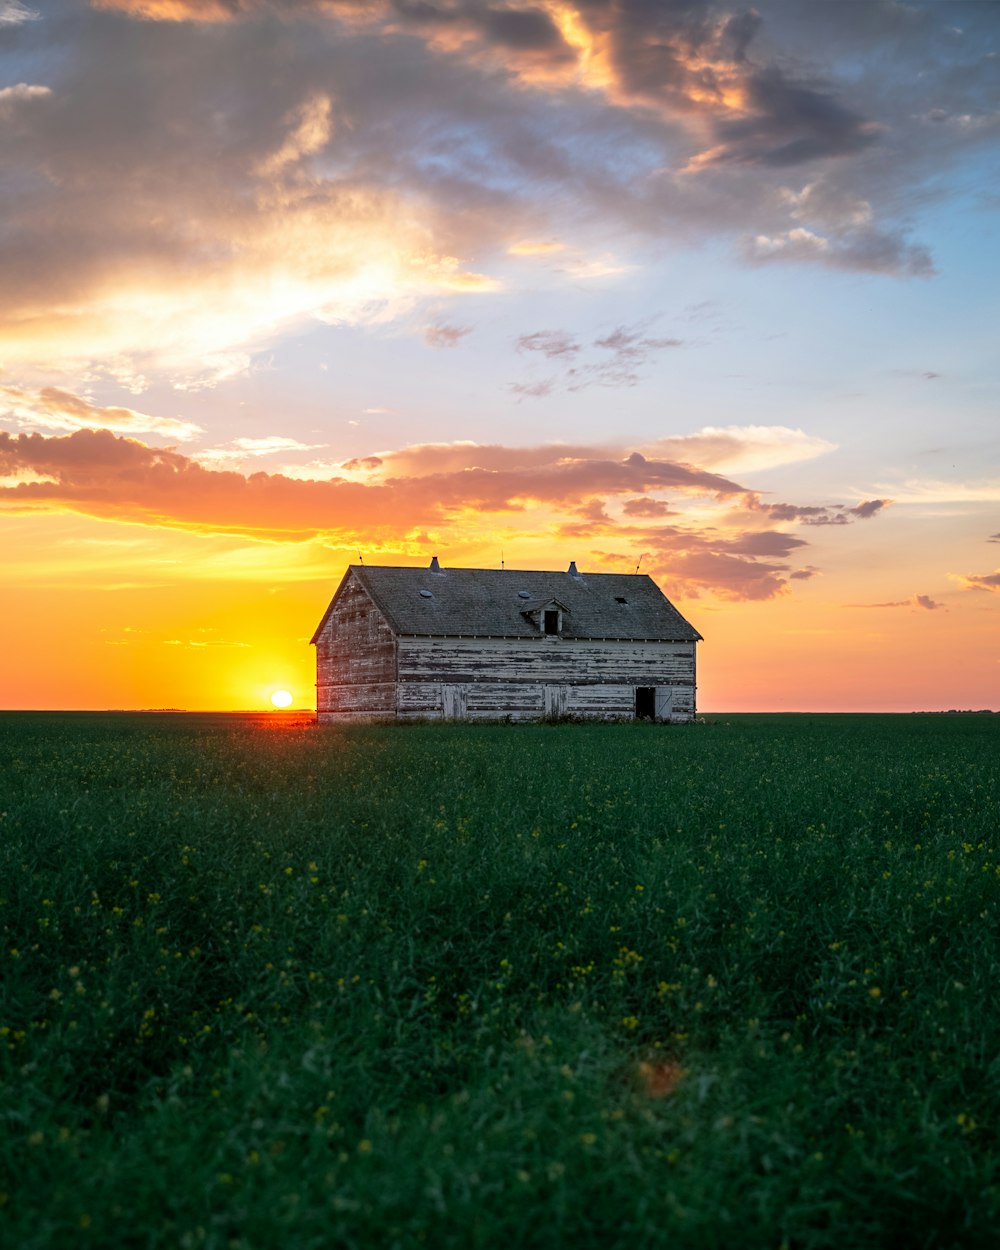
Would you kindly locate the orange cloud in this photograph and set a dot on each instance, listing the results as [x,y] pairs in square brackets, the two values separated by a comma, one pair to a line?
[981,581]
[396,497]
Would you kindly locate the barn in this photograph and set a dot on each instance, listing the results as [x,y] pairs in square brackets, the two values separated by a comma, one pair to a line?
[483,644]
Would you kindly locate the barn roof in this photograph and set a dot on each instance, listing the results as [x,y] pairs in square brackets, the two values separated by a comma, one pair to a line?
[480,603]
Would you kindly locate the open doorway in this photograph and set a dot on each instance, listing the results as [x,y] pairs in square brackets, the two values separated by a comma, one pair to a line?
[645,703]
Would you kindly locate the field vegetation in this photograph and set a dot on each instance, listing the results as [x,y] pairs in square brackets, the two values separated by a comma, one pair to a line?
[729,984]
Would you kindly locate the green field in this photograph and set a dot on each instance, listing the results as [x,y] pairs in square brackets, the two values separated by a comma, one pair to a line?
[270,985]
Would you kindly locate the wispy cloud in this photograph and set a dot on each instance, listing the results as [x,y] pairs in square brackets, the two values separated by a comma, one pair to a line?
[743,448]
[612,359]
[923,602]
[14,13]
[241,449]
[552,344]
[55,409]
[445,335]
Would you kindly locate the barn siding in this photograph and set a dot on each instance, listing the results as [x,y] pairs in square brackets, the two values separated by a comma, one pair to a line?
[528,679]
[547,661]
[355,660]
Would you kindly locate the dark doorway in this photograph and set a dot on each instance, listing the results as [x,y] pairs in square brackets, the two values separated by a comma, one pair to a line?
[645,703]
[551,621]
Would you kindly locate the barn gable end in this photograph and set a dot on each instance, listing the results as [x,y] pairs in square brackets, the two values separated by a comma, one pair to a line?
[398,643]
[355,657]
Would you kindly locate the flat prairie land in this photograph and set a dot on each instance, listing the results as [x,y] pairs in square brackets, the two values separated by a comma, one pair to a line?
[732,984]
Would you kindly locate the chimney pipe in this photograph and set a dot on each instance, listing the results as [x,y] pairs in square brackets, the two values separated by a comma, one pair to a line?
[573,571]
[435,567]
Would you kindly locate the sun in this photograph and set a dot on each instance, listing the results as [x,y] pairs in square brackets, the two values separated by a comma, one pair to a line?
[282,698]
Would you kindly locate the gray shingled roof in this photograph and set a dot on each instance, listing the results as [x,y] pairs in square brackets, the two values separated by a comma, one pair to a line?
[485,603]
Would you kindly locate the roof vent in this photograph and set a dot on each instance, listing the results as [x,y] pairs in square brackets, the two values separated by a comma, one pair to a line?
[618,599]
[523,594]
[426,594]
[573,571]
[435,567]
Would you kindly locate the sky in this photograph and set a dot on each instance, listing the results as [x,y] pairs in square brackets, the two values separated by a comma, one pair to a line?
[705,289]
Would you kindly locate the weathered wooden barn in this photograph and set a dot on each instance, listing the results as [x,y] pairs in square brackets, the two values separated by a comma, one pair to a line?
[480,644]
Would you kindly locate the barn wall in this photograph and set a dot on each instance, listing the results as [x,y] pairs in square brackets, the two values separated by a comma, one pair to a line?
[355,660]
[528,678]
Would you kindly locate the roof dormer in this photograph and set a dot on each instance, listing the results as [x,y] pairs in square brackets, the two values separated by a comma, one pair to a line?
[547,615]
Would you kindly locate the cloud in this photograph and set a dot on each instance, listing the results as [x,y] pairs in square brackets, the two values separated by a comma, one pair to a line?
[780,122]
[980,581]
[869,508]
[534,390]
[309,132]
[874,250]
[445,336]
[818,514]
[743,448]
[924,602]
[994,538]
[551,343]
[646,508]
[937,491]
[630,348]
[149,229]
[530,247]
[613,359]
[55,409]
[199,642]
[345,160]
[707,538]
[243,448]
[14,13]
[16,100]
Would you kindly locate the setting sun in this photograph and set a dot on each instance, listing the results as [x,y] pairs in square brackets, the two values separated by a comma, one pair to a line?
[282,698]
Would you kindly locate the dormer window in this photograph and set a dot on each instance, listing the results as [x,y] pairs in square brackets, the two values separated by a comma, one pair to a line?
[547,615]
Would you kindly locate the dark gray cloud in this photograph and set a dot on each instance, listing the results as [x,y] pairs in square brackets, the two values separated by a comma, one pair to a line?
[790,123]
[817,514]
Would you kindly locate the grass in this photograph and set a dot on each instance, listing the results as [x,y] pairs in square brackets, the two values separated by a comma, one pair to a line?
[265,984]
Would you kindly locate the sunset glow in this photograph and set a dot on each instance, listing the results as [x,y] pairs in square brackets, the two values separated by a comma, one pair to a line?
[704,289]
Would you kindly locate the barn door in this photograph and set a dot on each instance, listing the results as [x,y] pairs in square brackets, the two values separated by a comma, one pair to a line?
[453,702]
[556,698]
[664,702]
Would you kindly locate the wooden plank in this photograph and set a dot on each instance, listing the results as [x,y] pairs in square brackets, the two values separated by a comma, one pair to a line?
[568,662]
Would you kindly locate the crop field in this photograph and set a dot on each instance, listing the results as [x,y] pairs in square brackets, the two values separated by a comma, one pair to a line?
[723,985]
